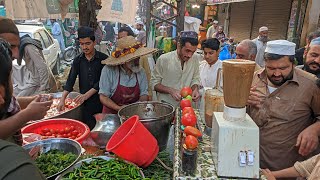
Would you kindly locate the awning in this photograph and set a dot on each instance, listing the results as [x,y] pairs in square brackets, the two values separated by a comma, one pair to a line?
[31,9]
[214,2]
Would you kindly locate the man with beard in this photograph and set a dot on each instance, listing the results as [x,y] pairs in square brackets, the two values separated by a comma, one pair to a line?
[285,104]
[123,81]
[177,69]
[300,53]
[87,67]
[261,42]
[312,61]
[142,35]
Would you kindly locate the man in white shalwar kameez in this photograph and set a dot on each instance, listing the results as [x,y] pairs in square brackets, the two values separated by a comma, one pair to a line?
[261,42]
[209,67]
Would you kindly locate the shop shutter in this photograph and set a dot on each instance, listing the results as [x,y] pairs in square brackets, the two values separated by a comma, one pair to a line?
[240,20]
[275,15]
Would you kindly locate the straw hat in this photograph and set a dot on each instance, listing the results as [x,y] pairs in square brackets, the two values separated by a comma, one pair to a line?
[127,49]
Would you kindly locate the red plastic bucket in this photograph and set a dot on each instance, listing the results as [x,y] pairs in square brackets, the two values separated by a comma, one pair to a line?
[134,143]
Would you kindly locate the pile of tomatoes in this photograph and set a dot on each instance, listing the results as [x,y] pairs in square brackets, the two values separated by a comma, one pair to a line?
[189,120]
[67,132]
[53,111]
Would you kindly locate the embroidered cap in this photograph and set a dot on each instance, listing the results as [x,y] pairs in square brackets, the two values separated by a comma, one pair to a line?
[315,41]
[189,34]
[263,28]
[281,47]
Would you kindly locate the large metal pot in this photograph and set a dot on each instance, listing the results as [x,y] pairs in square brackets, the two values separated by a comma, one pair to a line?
[74,113]
[155,116]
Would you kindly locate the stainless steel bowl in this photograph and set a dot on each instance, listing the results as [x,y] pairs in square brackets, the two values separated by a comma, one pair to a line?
[105,127]
[155,116]
[78,164]
[63,144]
[74,113]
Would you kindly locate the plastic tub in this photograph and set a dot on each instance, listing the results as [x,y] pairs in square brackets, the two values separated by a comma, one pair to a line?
[134,143]
[58,124]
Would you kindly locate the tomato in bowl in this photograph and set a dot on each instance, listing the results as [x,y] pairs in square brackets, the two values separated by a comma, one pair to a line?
[58,128]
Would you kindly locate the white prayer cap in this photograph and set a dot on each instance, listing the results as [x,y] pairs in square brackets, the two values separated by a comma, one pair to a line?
[139,22]
[263,28]
[215,22]
[281,47]
[315,41]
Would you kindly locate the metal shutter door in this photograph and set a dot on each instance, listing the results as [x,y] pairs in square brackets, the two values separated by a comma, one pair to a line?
[240,20]
[275,15]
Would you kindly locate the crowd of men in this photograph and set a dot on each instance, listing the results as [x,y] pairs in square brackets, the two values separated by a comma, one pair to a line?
[284,100]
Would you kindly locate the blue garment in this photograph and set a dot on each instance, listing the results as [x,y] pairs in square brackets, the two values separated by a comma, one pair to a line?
[225,53]
[110,77]
[57,34]
[174,29]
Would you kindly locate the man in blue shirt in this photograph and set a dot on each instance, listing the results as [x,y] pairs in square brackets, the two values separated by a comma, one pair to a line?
[57,33]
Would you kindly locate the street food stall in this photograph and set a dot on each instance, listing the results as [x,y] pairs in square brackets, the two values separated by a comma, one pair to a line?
[136,138]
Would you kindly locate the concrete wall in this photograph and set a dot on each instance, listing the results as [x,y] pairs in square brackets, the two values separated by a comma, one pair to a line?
[311,19]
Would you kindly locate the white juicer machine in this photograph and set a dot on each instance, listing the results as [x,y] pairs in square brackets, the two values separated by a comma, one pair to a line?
[235,136]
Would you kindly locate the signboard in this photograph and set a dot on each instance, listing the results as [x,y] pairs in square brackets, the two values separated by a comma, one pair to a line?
[123,11]
[214,2]
[30,9]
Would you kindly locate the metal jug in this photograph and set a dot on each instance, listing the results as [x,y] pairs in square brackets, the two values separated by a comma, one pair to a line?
[106,125]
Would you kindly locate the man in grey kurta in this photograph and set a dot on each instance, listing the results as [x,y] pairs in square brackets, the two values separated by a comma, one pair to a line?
[261,42]
[36,77]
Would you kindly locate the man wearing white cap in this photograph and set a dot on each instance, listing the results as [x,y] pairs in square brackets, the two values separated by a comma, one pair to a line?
[261,42]
[142,36]
[285,104]
[213,29]
[312,58]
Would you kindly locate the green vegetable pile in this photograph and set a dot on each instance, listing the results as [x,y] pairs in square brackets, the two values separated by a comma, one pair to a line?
[54,161]
[114,169]
[156,171]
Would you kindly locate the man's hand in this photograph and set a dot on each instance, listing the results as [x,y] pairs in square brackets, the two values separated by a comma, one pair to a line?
[268,174]
[255,99]
[61,104]
[308,140]
[175,94]
[81,98]
[37,110]
[195,95]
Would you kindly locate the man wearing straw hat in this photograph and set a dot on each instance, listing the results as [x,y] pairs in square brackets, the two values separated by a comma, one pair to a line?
[284,102]
[122,80]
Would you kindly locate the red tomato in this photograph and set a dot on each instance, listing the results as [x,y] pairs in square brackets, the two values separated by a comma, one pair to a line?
[69,135]
[188,110]
[80,134]
[54,135]
[70,106]
[45,130]
[191,142]
[189,130]
[72,137]
[189,120]
[75,132]
[65,135]
[62,131]
[57,131]
[72,128]
[60,136]
[52,131]
[67,130]
[185,92]
[48,134]
[185,103]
